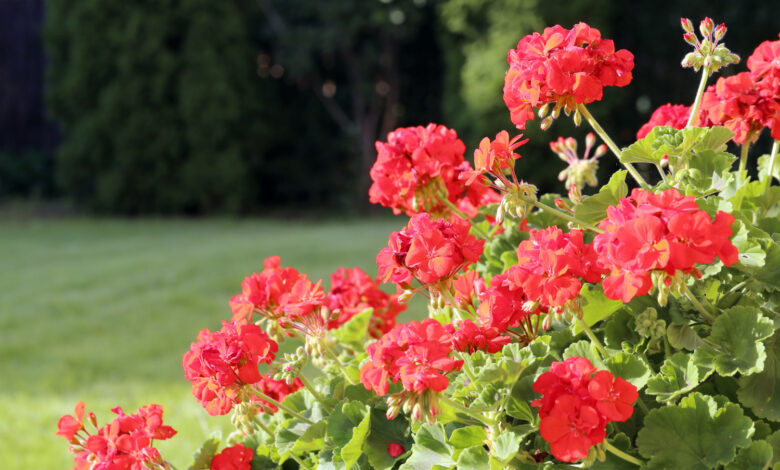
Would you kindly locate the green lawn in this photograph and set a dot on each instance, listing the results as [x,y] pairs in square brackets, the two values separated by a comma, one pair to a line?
[102,311]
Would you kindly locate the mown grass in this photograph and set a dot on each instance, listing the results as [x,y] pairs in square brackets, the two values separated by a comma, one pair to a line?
[102,311]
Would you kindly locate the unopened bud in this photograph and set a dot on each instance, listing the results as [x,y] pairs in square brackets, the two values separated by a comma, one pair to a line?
[556,111]
[571,143]
[686,24]
[720,31]
[590,139]
[544,110]
[575,194]
[689,60]
[561,204]
[600,150]
[392,412]
[92,419]
[546,123]
[577,118]
[706,26]
[405,295]
[690,38]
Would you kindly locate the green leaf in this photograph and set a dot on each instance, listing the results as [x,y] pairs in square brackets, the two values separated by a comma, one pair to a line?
[756,456]
[584,349]
[287,436]
[683,337]
[737,333]
[761,392]
[506,446]
[355,331]
[201,460]
[353,449]
[311,440]
[696,435]
[473,458]
[620,328]
[467,436]
[383,432]
[751,252]
[774,441]
[593,209]
[342,421]
[679,375]
[429,449]
[596,306]
[630,368]
[763,167]
[768,276]
[714,139]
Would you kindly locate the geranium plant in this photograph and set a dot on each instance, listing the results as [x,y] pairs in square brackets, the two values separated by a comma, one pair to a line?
[619,330]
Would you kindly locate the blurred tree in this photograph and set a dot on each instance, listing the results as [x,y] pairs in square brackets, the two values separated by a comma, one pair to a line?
[348,54]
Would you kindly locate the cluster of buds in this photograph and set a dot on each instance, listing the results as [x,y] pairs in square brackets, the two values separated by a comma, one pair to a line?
[706,53]
[244,415]
[518,200]
[420,406]
[649,325]
[581,171]
[292,365]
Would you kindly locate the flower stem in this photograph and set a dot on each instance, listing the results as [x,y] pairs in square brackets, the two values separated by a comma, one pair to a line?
[662,172]
[338,362]
[467,367]
[262,426]
[593,338]
[482,419]
[768,177]
[743,154]
[619,453]
[706,313]
[314,392]
[285,408]
[563,215]
[705,75]
[612,146]
[642,406]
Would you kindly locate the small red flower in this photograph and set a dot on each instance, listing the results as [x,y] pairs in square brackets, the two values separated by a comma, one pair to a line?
[673,115]
[68,425]
[615,399]
[262,292]
[276,389]
[395,449]
[505,304]
[236,457]
[470,338]
[765,60]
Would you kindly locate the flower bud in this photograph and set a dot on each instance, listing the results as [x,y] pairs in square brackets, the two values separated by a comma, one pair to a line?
[686,24]
[690,38]
[720,31]
[706,25]
[590,139]
[92,419]
[405,295]
[544,110]
[571,143]
[575,194]
[546,123]
[577,118]
[600,150]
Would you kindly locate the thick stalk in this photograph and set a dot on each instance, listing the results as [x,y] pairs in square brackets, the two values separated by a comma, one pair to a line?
[593,338]
[562,215]
[612,146]
[699,93]
[282,407]
[743,154]
[619,453]
[481,418]
[772,156]
[262,426]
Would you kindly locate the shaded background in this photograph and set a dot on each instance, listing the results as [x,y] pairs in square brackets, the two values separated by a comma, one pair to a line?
[268,106]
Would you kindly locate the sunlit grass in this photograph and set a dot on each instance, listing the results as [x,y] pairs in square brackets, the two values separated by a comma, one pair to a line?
[102,311]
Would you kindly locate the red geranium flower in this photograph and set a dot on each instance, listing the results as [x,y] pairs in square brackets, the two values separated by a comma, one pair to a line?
[469,338]
[276,389]
[395,449]
[262,292]
[765,60]
[236,457]
[505,304]
[561,66]
[673,115]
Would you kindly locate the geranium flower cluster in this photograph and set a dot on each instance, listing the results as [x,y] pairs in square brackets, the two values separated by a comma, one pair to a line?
[505,304]
[236,457]
[562,67]
[125,443]
[352,291]
[470,337]
[667,231]
[551,265]
[428,251]
[262,293]
[221,363]
[419,168]
[416,353]
[577,404]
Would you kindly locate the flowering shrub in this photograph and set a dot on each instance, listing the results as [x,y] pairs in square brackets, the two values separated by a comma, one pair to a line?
[608,331]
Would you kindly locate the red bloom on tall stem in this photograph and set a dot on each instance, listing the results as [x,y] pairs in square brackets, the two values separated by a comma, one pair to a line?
[672,115]
[563,67]
[261,293]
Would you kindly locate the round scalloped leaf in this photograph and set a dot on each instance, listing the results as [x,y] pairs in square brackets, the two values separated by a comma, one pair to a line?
[679,375]
[759,392]
[695,435]
[737,333]
[757,456]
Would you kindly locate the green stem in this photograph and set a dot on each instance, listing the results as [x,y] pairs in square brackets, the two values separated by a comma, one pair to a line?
[562,215]
[768,176]
[662,172]
[593,338]
[313,391]
[705,75]
[338,362]
[262,426]
[743,154]
[619,453]
[467,367]
[642,406]
[612,146]
[708,315]
[482,419]
[270,400]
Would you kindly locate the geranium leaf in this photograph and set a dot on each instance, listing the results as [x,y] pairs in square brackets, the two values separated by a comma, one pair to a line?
[695,435]
[760,392]
[384,432]
[474,458]
[630,368]
[311,440]
[735,343]
[756,456]
[430,448]
[353,449]
[596,306]
[679,375]
[594,208]
[506,446]
[683,337]
[355,331]
[584,349]
[467,436]
[201,460]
